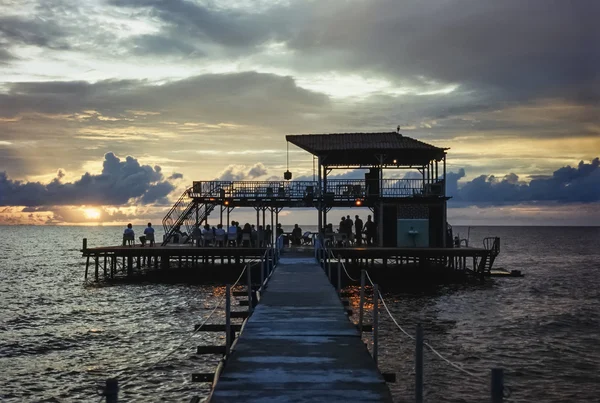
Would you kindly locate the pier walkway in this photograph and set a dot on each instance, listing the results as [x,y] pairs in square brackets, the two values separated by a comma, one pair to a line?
[300,346]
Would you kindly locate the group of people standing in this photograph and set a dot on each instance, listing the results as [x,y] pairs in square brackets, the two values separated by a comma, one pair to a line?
[355,229]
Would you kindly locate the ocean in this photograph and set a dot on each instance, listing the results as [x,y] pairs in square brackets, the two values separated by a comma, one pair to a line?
[59,339]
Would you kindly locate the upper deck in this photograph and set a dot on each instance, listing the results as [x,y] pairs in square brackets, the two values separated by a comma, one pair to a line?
[333,192]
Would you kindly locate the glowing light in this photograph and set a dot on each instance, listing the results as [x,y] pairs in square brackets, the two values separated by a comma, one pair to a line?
[91,213]
[358,202]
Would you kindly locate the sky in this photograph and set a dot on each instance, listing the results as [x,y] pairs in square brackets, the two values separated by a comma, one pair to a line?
[110,108]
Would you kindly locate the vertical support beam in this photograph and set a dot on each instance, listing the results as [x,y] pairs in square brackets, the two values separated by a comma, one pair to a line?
[257,217]
[249,276]
[327,260]
[105,258]
[419,364]
[84,244]
[262,269]
[272,228]
[96,264]
[321,192]
[87,266]
[227,319]
[361,305]
[111,390]
[221,216]
[324,191]
[129,265]
[375,321]
[339,274]
[497,385]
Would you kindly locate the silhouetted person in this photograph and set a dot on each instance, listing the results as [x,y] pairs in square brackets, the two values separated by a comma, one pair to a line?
[358,227]
[349,224]
[296,235]
[370,230]
[149,233]
[128,235]
[268,235]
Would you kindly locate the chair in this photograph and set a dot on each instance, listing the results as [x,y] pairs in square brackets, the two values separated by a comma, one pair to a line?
[307,238]
[247,238]
[207,238]
[220,240]
[128,240]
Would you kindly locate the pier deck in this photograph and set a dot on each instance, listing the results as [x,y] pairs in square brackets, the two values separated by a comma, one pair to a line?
[300,346]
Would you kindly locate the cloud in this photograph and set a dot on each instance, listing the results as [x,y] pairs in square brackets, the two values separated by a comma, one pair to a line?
[568,184]
[242,172]
[119,182]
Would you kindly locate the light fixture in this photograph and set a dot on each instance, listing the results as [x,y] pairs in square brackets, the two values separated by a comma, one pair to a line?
[358,202]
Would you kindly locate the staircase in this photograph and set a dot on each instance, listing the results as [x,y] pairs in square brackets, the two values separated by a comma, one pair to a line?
[183,214]
[493,245]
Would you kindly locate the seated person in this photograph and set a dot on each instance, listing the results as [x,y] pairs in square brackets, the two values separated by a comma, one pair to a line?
[197,234]
[220,234]
[232,233]
[128,235]
[149,233]
[296,235]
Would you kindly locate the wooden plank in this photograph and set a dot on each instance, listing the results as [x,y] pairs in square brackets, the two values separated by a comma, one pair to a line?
[210,350]
[203,377]
[217,327]
[240,314]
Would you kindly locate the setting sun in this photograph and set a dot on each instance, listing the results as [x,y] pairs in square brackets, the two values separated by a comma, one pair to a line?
[91,213]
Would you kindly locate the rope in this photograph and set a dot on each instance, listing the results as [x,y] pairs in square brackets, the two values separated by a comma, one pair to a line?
[187,338]
[433,350]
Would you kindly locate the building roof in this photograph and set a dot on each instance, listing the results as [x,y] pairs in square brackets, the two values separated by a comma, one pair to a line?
[364,149]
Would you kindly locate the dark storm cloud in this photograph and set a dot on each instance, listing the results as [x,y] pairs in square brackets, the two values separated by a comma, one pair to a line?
[119,182]
[566,185]
[243,97]
[511,50]
[36,32]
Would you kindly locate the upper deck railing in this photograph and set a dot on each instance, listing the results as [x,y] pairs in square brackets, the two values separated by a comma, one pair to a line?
[338,189]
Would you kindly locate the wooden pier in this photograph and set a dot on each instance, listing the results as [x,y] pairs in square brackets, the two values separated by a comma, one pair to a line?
[299,345]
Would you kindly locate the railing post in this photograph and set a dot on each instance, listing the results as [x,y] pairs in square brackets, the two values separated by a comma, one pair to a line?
[419,364]
[227,319]
[84,243]
[327,261]
[361,305]
[497,385]
[375,321]
[339,275]
[249,276]
[262,270]
[111,391]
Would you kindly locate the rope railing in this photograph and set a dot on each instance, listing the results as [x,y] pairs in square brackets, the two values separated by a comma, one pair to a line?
[453,364]
[176,348]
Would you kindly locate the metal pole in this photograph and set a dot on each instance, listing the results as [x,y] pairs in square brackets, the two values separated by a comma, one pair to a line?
[339,274]
[227,319]
[361,308]
[84,243]
[419,365]
[327,258]
[262,270]
[111,390]
[375,321]
[497,385]
[249,275]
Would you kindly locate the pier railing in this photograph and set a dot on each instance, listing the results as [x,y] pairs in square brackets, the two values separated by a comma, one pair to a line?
[325,257]
[338,189]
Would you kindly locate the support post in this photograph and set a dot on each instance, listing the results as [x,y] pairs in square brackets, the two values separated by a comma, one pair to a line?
[375,321]
[339,274]
[361,313]
[111,391]
[96,264]
[497,385]
[263,262]
[249,275]
[327,260]
[227,319]
[84,243]
[87,265]
[419,364]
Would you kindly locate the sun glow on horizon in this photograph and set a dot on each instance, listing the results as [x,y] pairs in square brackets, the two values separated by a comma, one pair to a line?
[91,213]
